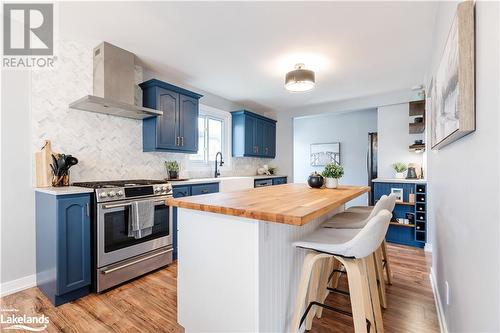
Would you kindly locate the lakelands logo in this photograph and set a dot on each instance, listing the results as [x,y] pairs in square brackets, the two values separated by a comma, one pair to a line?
[28,35]
[14,321]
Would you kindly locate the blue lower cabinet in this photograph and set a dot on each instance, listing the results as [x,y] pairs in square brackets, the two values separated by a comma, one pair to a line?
[186,191]
[262,182]
[414,233]
[204,189]
[279,180]
[63,256]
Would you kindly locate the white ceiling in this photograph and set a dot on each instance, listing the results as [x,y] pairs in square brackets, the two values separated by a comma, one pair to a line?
[241,51]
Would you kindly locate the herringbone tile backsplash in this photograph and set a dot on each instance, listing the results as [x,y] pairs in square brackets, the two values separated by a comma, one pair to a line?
[108,147]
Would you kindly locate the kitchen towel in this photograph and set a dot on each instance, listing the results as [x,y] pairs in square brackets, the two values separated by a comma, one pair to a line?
[141,219]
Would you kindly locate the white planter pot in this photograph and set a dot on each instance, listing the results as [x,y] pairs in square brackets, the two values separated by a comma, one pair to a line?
[331,182]
[400,175]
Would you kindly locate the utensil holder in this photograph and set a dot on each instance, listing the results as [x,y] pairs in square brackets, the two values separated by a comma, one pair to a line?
[58,181]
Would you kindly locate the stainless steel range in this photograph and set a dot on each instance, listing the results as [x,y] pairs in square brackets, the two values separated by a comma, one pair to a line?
[119,257]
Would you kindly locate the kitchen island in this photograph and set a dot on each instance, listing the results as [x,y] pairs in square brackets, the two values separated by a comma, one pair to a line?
[237,268]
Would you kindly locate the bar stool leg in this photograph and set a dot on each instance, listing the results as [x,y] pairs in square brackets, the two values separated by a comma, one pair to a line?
[337,265]
[323,284]
[380,277]
[388,270]
[314,294]
[309,261]
[372,282]
[357,293]
[366,294]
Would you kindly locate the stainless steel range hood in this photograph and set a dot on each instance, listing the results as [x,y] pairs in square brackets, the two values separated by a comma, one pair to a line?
[114,85]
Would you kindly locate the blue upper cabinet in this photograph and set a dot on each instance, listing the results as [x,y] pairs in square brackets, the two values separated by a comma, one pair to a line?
[253,135]
[177,129]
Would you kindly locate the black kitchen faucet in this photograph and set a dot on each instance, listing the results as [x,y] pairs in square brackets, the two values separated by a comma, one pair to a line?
[217,171]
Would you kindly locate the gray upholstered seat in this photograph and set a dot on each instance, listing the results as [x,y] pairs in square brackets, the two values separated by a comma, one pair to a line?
[351,243]
[355,219]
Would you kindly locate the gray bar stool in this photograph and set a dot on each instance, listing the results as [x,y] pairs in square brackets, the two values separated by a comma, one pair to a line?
[354,248]
[356,217]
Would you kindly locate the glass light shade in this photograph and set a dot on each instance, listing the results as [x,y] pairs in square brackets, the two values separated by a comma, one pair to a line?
[300,79]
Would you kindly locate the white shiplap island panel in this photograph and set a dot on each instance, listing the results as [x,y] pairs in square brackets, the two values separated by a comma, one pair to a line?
[237,274]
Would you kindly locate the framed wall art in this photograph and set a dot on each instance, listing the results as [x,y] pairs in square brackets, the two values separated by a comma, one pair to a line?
[451,92]
[324,153]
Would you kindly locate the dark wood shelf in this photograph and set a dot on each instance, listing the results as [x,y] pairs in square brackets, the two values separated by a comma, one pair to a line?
[417,108]
[416,147]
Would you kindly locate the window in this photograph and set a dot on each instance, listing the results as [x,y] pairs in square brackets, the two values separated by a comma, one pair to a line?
[211,135]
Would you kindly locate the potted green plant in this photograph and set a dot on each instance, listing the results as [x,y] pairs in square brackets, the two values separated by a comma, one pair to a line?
[173,169]
[400,169]
[332,173]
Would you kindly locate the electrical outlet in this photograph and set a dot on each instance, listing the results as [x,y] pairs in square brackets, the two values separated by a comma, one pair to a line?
[447,286]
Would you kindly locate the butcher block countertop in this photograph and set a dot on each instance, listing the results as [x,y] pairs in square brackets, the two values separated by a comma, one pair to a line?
[294,204]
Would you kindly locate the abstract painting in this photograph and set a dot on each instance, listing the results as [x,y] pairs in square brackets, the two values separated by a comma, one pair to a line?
[324,153]
[451,90]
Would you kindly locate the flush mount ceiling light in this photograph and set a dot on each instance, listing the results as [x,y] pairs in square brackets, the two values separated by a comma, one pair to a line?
[300,79]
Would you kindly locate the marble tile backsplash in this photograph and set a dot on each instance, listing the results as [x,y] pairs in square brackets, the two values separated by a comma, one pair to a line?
[108,147]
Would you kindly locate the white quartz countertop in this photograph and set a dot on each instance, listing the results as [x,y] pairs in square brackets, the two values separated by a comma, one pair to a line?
[64,190]
[397,180]
[217,180]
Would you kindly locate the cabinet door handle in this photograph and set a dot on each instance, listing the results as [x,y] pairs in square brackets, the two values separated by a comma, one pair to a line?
[182,141]
[87,208]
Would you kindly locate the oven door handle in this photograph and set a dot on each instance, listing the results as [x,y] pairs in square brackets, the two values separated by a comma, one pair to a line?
[159,202]
[111,270]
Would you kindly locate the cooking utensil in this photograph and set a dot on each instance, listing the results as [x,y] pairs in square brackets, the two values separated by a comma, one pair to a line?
[70,161]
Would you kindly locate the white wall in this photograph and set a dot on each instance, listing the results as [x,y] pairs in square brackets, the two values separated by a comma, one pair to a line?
[17,234]
[394,139]
[464,190]
[350,129]
[284,126]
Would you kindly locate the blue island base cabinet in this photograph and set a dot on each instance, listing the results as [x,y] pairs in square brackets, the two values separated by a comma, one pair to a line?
[63,252]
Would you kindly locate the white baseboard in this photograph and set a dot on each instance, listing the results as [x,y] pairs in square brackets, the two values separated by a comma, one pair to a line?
[428,247]
[14,286]
[439,305]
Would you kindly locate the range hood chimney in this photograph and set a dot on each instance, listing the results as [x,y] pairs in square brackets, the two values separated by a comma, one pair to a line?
[113,85]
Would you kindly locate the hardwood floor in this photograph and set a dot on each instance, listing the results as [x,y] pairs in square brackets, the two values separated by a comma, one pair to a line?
[148,304]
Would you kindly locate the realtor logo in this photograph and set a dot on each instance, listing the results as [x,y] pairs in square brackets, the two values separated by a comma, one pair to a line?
[28,29]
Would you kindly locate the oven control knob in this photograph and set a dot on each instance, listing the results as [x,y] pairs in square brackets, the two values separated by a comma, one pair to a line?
[164,188]
[119,193]
[112,193]
[103,195]
[157,189]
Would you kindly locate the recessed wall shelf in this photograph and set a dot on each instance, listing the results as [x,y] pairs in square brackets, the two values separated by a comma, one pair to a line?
[402,224]
[405,203]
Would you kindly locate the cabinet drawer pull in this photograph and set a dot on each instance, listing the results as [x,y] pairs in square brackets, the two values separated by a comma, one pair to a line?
[204,191]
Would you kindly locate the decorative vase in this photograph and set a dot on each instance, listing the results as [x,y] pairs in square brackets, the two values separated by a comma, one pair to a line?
[315,180]
[400,175]
[173,174]
[331,182]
